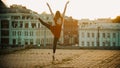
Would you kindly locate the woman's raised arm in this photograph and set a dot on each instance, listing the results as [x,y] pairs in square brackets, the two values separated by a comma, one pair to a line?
[65,9]
[50,9]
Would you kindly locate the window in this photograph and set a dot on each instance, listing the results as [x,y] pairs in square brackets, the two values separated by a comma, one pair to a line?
[21,24]
[33,25]
[19,33]
[82,43]
[26,25]
[28,17]
[92,34]
[38,41]
[92,43]
[103,43]
[31,33]
[114,44]
[82,34]
[19,41]
[26,41]
[4,24]
[108,35]
[15,17]
[26,33]
[23,17]
[103,35]
[14,41]
[4,32]
[98,43]
[88,34]
[88,43]
[4,40]
[14,24]
[109,44]
[31,41]
[114,35]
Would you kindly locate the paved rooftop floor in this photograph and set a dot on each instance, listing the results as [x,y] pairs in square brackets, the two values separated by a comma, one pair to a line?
[65,58]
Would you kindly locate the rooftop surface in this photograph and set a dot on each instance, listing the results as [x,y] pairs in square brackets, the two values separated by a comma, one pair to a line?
[65,58]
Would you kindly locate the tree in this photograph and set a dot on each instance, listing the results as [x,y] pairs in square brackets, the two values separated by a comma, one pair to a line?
[116,20]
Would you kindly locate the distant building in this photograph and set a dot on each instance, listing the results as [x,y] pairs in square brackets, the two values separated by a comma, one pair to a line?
[19,26]
[103,20]
[99,35]
[70,31]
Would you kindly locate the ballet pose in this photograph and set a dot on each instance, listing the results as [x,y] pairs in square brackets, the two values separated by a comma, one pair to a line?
[55,29]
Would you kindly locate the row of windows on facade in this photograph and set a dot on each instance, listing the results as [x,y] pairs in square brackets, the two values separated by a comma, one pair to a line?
[30,33]
[104,35]
[31,41]
[20,24]
[23,17]
[107,43]
[15,24]
[19,33]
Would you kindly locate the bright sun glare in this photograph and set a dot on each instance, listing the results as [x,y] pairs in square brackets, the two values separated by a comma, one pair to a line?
[78,9]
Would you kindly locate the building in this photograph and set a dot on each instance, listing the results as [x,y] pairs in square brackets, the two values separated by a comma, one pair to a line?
[99,35]
[20,26]
[70,31]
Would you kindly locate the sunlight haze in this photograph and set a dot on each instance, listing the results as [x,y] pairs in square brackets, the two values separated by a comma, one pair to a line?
[78,9]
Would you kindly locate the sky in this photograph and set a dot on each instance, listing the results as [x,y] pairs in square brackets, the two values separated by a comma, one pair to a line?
[78,9]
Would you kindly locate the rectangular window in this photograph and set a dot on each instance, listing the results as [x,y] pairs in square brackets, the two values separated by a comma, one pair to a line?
[19,41]
[19,33]
[114,44]
[88,34]
[4,40]
[33,25]
[30,33]
[103,35]
[15,17]
[114,35]
[103,43]
[31,41]
[82,43]
[109,44]
[108,35]
[26,33]
[4,32]
[82,34]
[14,41]
[92,34]
[23,17]
[14,24]
[4,24]
[92,43]
[21,24]
[98,43]
[26,25]
[88,43]
[38,41]
[26,41]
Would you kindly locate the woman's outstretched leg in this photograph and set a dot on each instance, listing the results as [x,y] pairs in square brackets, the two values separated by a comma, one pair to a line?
[54,47]
[43,23]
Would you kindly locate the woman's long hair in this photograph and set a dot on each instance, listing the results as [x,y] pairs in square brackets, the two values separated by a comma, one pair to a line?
[57,16]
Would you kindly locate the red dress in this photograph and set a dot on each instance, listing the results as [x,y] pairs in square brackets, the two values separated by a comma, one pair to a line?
[56,30]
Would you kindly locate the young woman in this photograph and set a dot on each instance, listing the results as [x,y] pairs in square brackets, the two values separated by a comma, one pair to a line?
[56,29]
